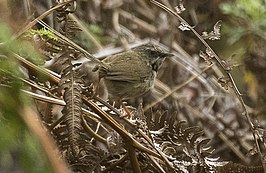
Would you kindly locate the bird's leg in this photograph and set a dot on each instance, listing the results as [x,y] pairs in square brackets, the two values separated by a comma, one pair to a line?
[97,86]
[128,113]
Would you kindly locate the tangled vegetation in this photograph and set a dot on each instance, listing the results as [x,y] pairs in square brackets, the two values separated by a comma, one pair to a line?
[204,114]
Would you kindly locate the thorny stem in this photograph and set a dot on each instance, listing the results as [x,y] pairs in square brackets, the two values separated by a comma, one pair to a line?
[223,66]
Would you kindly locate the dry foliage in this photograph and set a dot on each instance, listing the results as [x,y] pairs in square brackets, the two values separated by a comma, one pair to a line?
[191,121]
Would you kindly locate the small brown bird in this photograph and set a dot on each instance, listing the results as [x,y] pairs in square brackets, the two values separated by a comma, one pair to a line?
[132,73]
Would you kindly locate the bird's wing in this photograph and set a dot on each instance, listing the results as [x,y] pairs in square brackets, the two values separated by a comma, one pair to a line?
[115,68]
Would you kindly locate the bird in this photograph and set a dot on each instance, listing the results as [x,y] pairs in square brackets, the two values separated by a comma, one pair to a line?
[132,73]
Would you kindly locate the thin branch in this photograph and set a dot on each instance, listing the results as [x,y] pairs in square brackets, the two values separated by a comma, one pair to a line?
[41,97]
[175,89]
[146,26]
[36,68]
[121,160]
[234,148]
[87,33]
[44,98]
[133,158]
[88,129]
[117,28]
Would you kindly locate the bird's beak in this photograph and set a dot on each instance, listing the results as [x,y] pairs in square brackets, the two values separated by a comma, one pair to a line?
[168,55]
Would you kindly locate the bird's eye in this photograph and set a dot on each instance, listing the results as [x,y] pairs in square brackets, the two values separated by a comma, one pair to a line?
[154,67]
[153,53]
